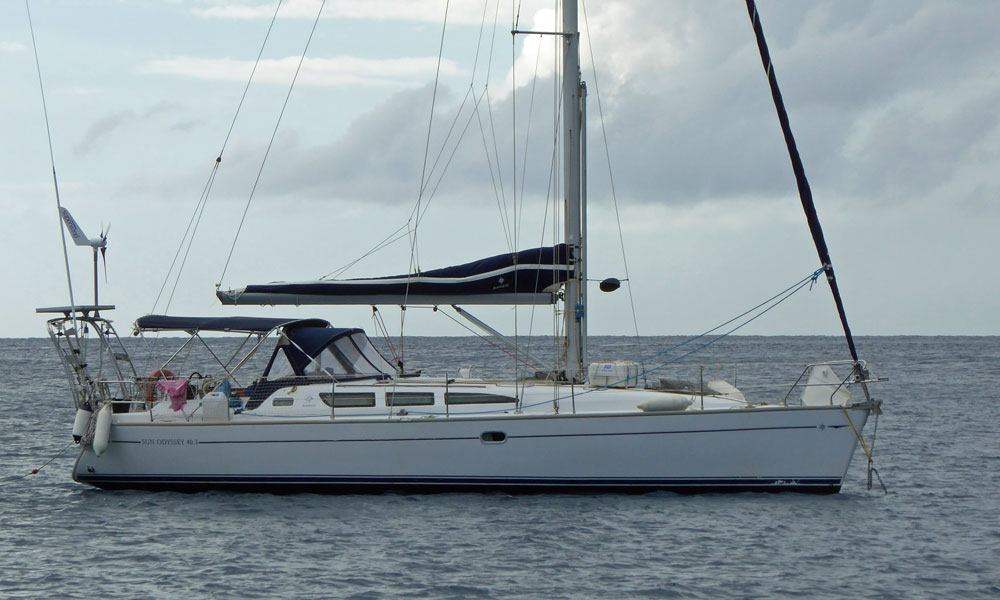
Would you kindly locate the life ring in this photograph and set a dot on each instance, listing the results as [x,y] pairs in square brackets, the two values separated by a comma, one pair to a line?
[151,384]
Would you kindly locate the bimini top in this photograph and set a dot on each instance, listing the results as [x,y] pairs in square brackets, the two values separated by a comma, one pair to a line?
[231,324]
[526,277]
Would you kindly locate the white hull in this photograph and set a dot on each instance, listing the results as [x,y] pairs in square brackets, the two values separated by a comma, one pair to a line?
[805,449]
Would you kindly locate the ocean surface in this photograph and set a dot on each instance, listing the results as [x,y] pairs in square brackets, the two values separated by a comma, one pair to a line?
[936,534]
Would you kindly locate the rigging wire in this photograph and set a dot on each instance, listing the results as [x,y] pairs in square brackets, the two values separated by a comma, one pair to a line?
[527,133]
[611,180]
[444,144]
[784,295]
[486,85]
[451,157]
[468,93]
[197,222]
[184,238]
[414,258]
[380,325]
[387,241]
[501,206]
[427,190]
[270,143]
[206,191]
[513,164]
[549,200]
[516,355]
[552,167]
[414,250]
[52,161]
[764,308]
[499,192]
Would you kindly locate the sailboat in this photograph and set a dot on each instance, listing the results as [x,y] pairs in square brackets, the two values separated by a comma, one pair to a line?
[329,413]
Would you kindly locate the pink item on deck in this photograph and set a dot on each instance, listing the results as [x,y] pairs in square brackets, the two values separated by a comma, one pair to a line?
[176,389]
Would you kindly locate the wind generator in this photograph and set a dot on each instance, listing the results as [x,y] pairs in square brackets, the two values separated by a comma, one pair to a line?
[98,243]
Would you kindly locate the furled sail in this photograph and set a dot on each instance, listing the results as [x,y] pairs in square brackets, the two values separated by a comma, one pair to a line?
[526,277]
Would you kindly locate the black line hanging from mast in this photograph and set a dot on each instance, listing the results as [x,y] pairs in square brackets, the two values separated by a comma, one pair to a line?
[805,194]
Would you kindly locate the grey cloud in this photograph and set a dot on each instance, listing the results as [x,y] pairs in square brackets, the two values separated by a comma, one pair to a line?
[912,149]
[106,125]
[184,125]
[162,108]
[701,125]
[101,128]
[717,129]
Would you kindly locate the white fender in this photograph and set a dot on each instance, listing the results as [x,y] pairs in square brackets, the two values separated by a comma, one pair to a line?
[668,402]
[102,433]
[80,423]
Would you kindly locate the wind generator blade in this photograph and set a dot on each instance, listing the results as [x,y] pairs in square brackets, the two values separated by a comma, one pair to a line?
[805,194]
[74,230]
[104,261]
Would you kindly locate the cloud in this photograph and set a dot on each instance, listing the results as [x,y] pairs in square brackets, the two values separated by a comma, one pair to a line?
[101,128]
[12,47]
[878,115]
[335,71]
[108,124]
[185,125]
[892,103]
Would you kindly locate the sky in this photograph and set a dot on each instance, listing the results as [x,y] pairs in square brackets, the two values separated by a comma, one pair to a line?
[893,104]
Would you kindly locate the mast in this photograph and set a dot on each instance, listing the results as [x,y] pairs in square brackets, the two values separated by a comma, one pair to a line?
[574,307]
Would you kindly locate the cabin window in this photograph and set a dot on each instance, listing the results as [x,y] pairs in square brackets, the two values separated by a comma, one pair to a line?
[282,402]
[348,399]
[409,398]
[476,398]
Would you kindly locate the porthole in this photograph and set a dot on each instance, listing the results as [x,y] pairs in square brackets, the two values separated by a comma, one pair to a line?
[493,437]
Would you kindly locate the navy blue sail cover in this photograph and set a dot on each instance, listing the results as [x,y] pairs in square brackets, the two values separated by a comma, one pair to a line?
[525,277]
[231,324]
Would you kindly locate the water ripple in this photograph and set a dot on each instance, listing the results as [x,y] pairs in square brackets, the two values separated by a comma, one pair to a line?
[936,534]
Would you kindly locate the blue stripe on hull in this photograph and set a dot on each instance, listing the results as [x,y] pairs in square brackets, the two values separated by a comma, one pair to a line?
[509,436]
[366,485]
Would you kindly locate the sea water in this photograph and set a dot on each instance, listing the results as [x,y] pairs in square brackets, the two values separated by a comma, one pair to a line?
[935,534]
